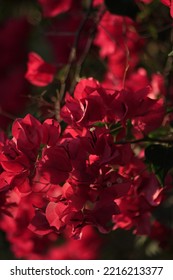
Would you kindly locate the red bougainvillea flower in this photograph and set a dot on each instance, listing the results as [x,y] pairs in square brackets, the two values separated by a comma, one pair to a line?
[51,132]
[145,107]
[39,72]
[100,143]
[13,160]
[139,79]
[109,187]
[80,110]
[60,215]
[55,165]
[16,167]
[9,203]
[27,134]
[113,45]
[168,3]
[111,26]
[149,113]
[52,8]
[136,206]
[99,217]
[113,106]
[27,244]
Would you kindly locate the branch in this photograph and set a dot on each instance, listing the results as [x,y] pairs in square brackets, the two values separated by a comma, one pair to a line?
[72,55]
[87,47]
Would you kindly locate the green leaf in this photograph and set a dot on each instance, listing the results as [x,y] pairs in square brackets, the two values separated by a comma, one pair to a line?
[115,128]
[99,124]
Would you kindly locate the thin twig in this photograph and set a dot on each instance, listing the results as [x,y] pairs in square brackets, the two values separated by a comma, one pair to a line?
[7,115]
[87,48]
[127,53]
[72,55]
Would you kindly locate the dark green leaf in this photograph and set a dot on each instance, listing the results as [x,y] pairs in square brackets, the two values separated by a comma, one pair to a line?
[99,124]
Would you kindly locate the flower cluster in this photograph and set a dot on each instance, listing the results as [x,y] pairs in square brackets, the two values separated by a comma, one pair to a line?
[85,169]
[82,176]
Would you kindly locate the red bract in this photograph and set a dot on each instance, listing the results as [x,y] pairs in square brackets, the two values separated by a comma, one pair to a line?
[111,39]
[113,106]
[121,49]
[144,123]
[81,111]
[16,167]
[110,27]
[108,188]
[86,87]
[52,8]
[39,72]
[55,165]
[27,134]
[105,149]
[39,224]
[136,206]
[9,202]
[101,218]
[149,113]
[13,160]
[100,143]
[61,215]
[55,213]
[145,107]
[51,132]
[73,111]
[139,79]
[26,244]
[43,189]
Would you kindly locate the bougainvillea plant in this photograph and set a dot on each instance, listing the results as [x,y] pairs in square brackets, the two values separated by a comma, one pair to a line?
[92,151]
